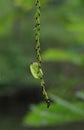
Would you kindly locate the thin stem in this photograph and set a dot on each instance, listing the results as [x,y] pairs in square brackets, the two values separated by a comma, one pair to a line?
[38,55]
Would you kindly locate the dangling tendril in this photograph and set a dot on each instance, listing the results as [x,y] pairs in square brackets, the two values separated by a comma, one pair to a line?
[38,55]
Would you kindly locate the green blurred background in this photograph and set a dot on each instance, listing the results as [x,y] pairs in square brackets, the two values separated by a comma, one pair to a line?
[62,49]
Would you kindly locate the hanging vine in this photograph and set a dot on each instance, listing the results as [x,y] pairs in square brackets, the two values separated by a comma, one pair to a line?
[35,67]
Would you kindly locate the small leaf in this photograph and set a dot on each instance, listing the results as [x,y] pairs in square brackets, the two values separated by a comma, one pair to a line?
[36,71]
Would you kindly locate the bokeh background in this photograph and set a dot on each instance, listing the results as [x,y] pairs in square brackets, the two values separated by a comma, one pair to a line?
[62,49]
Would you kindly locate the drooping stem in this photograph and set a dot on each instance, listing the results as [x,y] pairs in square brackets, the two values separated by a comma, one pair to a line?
[38,54]
[37,32]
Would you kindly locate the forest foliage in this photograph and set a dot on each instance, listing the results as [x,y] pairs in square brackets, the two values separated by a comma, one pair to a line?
[62,45]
